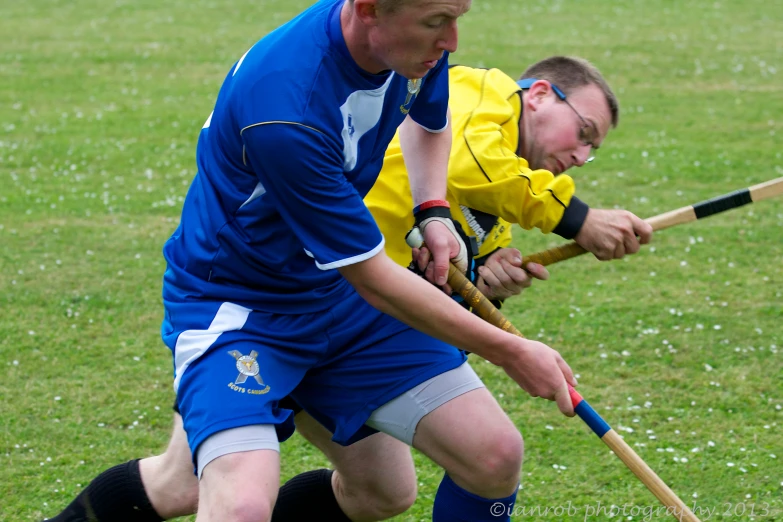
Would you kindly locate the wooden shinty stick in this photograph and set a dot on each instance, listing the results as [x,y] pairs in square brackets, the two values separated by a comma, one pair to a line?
[487,311]
[679,216]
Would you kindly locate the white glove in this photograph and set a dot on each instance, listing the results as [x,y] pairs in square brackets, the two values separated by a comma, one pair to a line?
[461,259]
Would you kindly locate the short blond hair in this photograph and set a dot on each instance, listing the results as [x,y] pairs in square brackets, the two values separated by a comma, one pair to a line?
[569,73]
[388,6]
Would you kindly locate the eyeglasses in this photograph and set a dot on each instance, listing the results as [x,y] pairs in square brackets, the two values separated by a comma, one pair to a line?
[587,132]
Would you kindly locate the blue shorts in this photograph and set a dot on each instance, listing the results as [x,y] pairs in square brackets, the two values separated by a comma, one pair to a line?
[234,364]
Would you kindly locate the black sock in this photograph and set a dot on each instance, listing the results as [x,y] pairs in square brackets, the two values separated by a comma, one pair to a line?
[308,496]
[116,495]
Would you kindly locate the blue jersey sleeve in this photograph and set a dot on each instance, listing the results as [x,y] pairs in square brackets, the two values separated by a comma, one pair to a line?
[301,171]
[432,103]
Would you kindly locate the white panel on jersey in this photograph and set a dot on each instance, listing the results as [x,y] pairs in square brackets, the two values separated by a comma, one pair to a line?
[192,344]
[240,62]
[209,120]
[361,112]
[257,193]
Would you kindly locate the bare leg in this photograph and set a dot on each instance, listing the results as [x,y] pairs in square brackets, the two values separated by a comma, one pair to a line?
[374,478]
[475,442]
[168,479]
[239,487]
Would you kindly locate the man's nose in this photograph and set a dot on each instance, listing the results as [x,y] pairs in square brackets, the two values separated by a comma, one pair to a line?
[582,155]
[450,38]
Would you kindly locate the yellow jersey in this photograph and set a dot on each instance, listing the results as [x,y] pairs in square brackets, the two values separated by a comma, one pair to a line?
[489,185]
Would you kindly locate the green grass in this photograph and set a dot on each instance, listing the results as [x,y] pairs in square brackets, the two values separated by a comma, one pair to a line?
[100,106]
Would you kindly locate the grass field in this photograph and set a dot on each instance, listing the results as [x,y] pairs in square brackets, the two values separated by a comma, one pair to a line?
[679,347]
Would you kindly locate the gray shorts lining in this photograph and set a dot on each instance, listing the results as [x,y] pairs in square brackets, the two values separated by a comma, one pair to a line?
[400,416]
[236,440]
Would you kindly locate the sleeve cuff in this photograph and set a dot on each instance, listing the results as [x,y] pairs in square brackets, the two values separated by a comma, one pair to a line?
[573,219]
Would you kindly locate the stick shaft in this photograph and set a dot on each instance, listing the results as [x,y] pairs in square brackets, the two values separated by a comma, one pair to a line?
[640,468]
[483,307]
[630,458]
[768,189]
[487,311]
[679,216]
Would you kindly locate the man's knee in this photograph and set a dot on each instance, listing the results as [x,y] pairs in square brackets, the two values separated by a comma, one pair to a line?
[496,468]
[394,499]
[375,477]
[382,498]
[502,458]
[244,505]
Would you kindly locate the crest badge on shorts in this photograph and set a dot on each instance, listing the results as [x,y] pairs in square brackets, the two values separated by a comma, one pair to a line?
[248,367]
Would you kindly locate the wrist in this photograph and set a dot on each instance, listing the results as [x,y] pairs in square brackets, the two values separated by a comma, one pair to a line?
[432,203]
[502,348]
[428,214]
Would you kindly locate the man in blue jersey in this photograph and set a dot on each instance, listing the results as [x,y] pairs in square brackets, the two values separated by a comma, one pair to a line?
[277,283]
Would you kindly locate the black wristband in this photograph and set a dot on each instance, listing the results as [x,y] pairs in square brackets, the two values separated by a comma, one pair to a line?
[573,218]
[441,212]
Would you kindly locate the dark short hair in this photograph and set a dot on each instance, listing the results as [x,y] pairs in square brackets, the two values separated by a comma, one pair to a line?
[570,73]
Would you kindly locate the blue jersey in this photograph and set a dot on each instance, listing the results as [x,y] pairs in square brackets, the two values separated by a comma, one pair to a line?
[296,139]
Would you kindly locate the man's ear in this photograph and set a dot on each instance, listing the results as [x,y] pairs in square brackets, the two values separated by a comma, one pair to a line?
[366,11]
[538,93]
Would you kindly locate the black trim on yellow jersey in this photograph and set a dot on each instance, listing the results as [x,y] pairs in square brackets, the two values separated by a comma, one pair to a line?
[573,218]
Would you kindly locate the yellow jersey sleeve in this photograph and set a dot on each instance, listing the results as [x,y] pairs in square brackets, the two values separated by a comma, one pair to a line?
[489,186]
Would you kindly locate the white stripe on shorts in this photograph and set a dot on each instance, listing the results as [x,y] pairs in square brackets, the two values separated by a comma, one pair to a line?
[192,344]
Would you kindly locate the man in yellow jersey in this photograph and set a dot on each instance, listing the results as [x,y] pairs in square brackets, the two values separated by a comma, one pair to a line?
[497,123]
[560,113]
